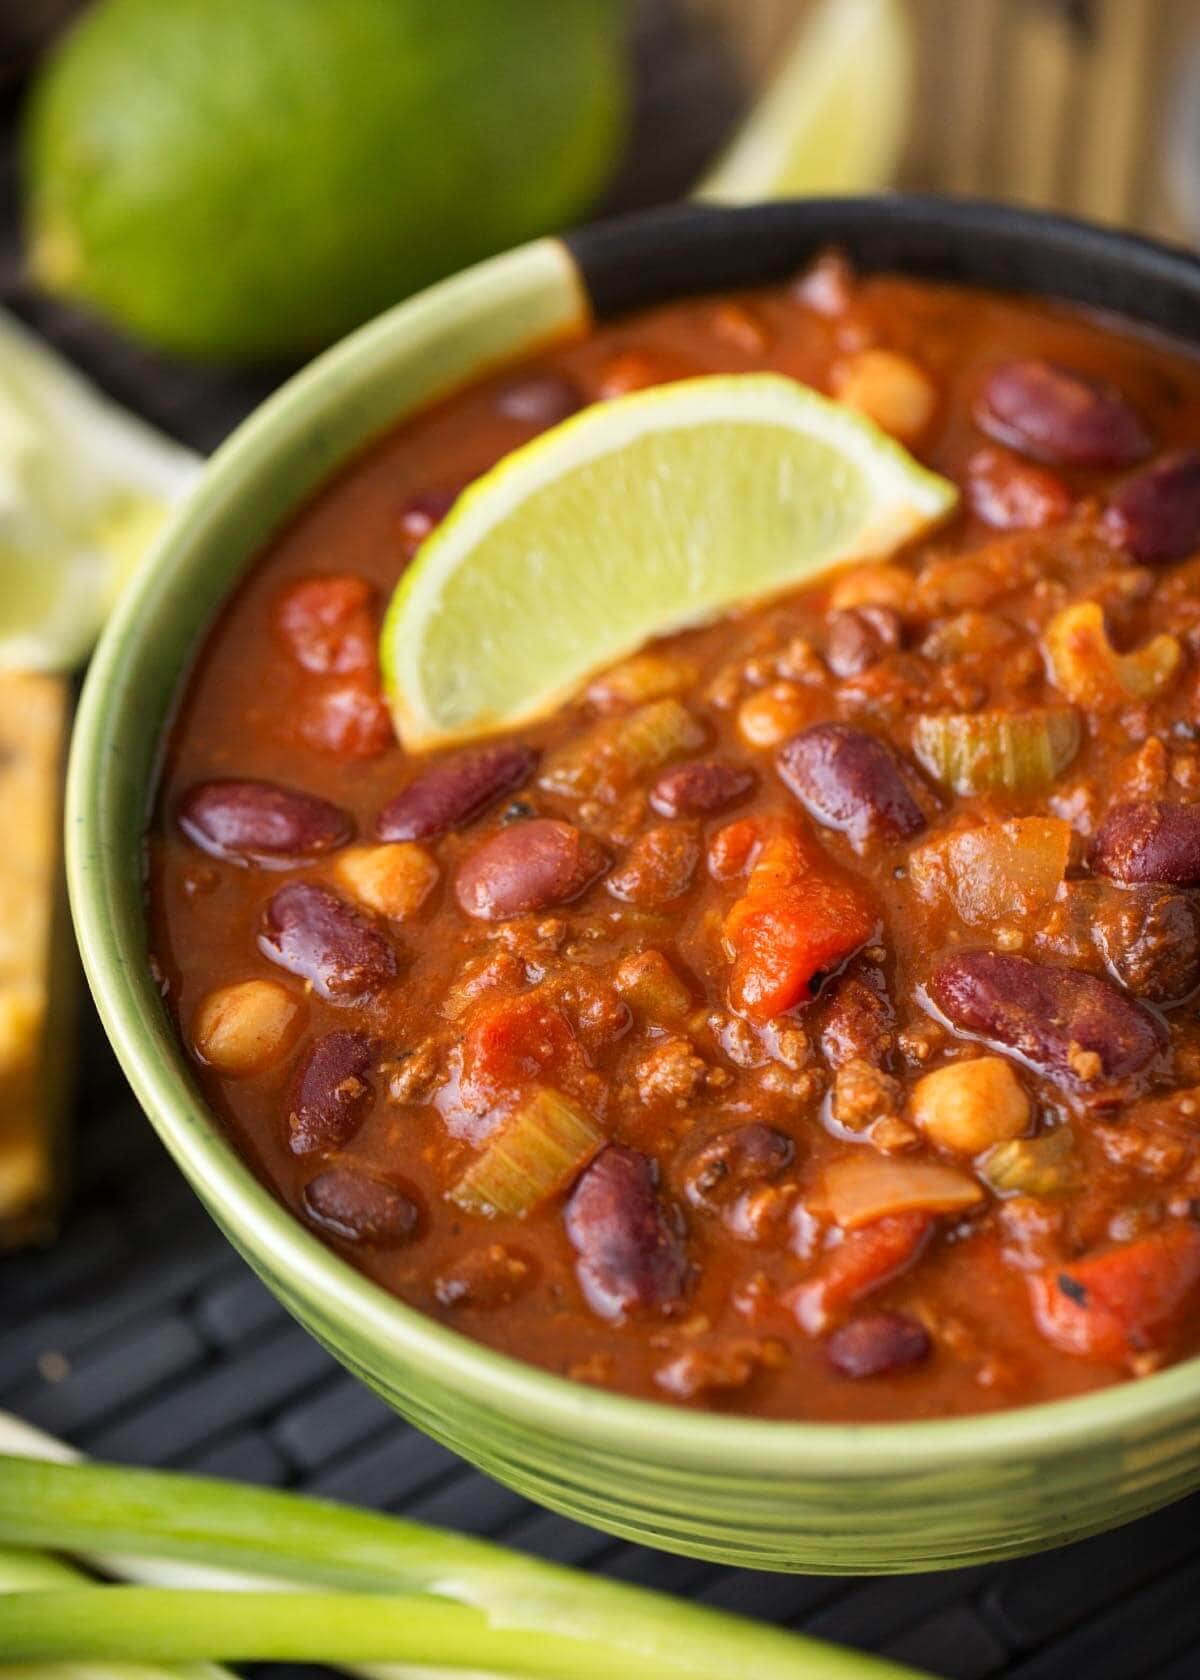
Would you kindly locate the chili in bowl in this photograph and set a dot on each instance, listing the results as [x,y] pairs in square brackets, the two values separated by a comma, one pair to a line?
[793,1029]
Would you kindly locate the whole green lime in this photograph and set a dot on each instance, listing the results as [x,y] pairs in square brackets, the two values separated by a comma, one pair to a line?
[248,179]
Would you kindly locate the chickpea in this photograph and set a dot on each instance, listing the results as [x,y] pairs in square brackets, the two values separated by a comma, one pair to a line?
[772,715]
[392,880]
[889,389]
[968,1106]
[241,1029]
[873,586]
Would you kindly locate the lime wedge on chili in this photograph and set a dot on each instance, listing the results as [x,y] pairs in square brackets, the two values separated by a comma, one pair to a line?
[634,518]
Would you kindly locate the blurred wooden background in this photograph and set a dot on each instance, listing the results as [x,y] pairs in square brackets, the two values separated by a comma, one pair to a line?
[1091,106]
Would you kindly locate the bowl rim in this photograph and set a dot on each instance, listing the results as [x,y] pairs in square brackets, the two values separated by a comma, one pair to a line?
[725,1444]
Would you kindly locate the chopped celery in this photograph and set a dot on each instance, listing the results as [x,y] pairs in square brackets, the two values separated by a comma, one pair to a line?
[997,752]
[607,761]
[1041,1166]
[537,1151]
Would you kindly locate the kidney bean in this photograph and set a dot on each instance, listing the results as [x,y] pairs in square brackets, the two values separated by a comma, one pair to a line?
[422,514]
[1156,514]
[849,781]
[659,866]
[734,1160]
[1077,1029]
[859,637]
[1012,495]
[528,866]
[703,785]
[860,1023]
[327,624]
[348,720]
[1150,939]
[631,1254]
[330,1093]
[1150,840]
[360,1208]
[261,822]
[541,399]
[312,932]
[453,792]
[877,1344]
[1056,415]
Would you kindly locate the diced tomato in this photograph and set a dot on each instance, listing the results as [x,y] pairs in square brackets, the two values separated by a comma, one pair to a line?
[795,919]
[327,624]
[863,1261]
[349,720]
[1125,1301]
[510,1043]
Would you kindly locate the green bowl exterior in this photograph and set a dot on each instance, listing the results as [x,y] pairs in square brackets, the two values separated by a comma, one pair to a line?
[790,1496]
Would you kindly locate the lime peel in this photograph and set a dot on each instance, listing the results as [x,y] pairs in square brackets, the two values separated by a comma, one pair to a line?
[635,518]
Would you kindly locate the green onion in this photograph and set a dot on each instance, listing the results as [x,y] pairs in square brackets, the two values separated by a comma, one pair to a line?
[606,762]
[459,1603]
[1040,1166]
[29,1572]
[534,1154]
[997,752]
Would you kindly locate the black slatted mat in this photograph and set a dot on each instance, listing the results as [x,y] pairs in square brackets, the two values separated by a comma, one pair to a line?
[141,1337]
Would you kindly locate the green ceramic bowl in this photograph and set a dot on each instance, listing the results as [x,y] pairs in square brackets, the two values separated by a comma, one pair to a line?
[797,1496]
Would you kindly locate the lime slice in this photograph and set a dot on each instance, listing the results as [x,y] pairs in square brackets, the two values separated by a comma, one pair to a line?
[834,116]
[634,518]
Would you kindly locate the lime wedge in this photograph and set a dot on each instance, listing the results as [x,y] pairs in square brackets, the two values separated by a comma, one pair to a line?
[83,488]
[634,518]
[834,116]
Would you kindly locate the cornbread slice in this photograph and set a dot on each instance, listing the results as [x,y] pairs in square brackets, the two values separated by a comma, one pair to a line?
[37,970]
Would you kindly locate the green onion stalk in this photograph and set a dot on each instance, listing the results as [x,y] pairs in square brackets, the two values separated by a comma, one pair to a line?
[330,1583]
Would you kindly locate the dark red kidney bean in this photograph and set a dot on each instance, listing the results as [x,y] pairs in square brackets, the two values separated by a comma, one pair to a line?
[422,514]
[528,866]
[849,781]
[1079,1030]
[704,785]
[327,624]
[451,793]
[330,1093]
[877,1344]
[312,932]
[1150,939]
[1065,418]
[360,1208]
[631,1253]
[1150,840]
[859,638]
[1156,514]
[1013,495]
[733,1161]
[347,720]
[541,399]
[261,822]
